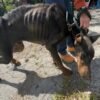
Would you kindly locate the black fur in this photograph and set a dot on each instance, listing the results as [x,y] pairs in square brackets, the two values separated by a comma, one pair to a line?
[40,23]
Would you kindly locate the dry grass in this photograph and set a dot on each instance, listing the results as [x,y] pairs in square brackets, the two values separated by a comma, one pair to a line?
[76,96]
[77,90]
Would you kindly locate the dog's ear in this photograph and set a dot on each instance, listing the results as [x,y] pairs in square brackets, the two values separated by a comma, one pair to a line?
[78,39]
[93,36]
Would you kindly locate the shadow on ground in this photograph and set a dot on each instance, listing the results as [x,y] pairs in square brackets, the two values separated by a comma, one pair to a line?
[36,85]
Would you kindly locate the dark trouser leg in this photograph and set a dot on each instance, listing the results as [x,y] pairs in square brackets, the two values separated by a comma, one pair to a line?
[57,60]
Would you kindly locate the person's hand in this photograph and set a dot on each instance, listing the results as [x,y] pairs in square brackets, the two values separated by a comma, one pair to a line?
[84,21]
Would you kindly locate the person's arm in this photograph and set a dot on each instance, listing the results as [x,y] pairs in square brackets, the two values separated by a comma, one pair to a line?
[83,15]
[79,4]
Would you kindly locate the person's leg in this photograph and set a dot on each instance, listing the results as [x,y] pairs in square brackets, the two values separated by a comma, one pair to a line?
[57,60]
[69,9]
[60,2]
[70,44]
[64,48]
[98,4]
[54,1]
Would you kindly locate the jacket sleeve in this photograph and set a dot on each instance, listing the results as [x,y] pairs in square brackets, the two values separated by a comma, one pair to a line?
[79,4]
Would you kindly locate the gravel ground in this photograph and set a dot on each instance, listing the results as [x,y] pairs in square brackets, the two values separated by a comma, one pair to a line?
[39,79]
